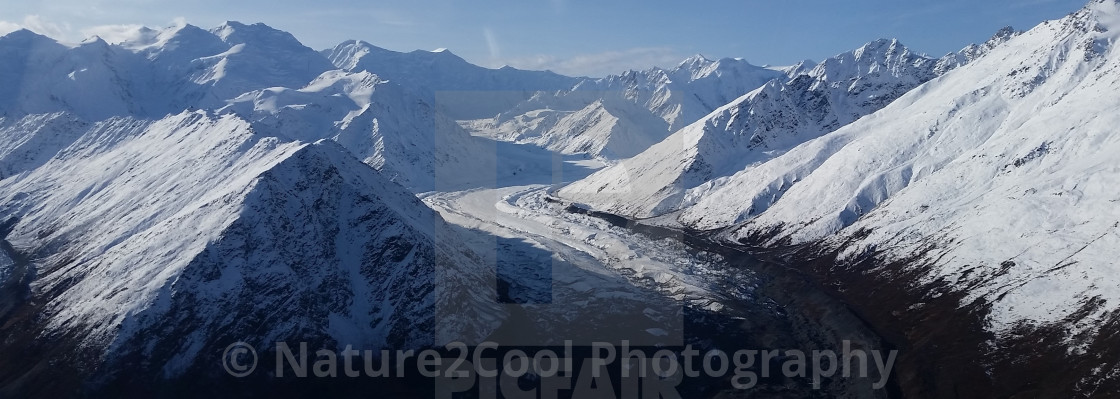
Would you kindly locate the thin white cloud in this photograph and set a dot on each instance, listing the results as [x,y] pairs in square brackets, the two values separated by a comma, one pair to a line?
[114,33]
[8,27]
[36,24]
[599,64]
[492,44]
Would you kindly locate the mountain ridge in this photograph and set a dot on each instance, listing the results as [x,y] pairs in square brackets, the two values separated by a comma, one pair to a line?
[758,125]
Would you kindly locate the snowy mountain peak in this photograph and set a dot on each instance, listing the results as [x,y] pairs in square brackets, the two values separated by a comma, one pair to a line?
[23,37]
[767,121]
[234,32]
[1003,168]
[187,38]
[883,51]
[95,40]
[1109,7]
[696,61]
[800,68]
[620,115]
[1105,14]
[442,52]
[446,57]
[427,72]
[348,54]
[698,67]
[878,45]
[880,57]
[357,54]
[219,219]
[1003,34]
[974,51]
[226,29]
[230,28]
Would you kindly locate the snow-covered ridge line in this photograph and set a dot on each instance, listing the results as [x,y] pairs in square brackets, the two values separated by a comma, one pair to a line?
[182,234]
[999,174]
[695,161]
[458,88]
[621,115]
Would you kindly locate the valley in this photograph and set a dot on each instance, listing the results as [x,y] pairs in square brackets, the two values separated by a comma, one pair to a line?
[175,199]
[719,297]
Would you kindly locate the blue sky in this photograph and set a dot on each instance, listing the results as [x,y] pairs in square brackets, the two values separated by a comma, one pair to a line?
[570,36]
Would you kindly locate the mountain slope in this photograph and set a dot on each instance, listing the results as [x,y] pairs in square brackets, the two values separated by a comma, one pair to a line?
[29,142]
[610,126]
[997,179]
[38,75]
[264,75]
[153,245]
[460,89]
[191,67]
[381,123]
[639,107]
[679,170]
[151,74]
[621,116]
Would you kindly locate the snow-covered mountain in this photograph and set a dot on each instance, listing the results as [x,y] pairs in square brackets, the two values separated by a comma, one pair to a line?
[39,75]
[974,51]
[998,178]
[383,124]
[608,125]
[153,244]
[1001,175]
[755,127]
[460,89]
[264,75]
[164,196]
[151,74]
[621,115]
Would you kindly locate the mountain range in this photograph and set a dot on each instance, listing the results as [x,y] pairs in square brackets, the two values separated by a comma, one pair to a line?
[167,194]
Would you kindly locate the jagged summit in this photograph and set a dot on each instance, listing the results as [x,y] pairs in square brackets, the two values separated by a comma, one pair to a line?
[974,51]
[693,62]
[800,68]
[880,56]
[1005,33]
